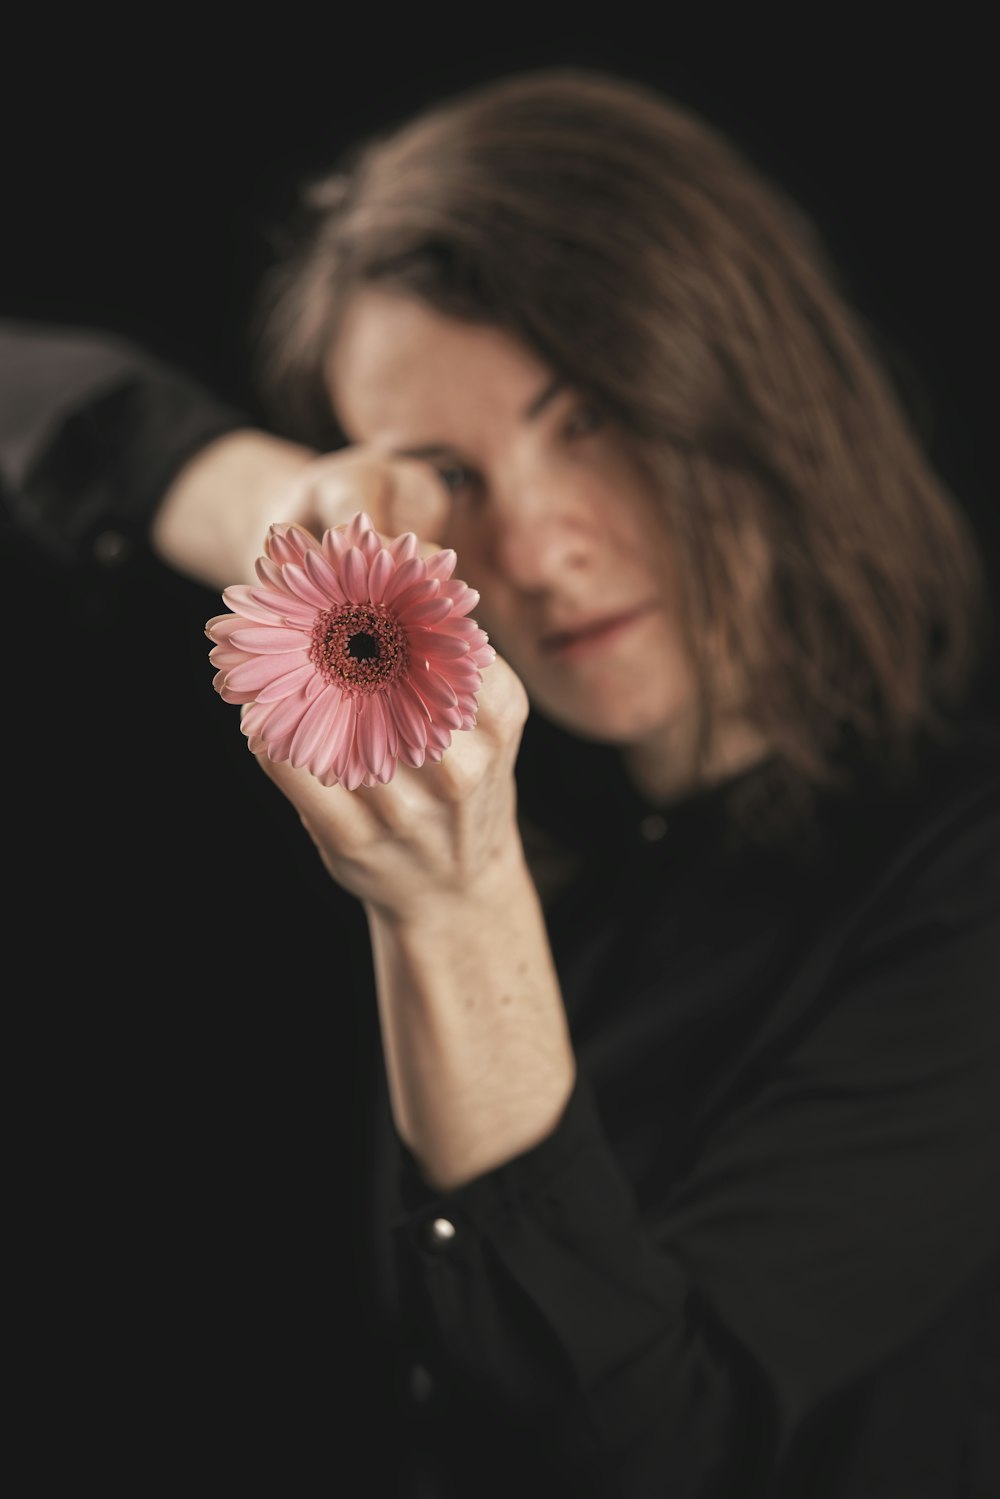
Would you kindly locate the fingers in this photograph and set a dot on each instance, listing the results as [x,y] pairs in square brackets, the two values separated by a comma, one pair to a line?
[502,703]
[429,827]
[502,709]
[400,494]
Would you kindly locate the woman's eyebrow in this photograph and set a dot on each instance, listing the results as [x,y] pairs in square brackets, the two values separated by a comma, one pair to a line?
[538,405]
[531,412]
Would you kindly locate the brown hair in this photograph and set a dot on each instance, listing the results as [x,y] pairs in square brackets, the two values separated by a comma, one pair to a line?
[641,254]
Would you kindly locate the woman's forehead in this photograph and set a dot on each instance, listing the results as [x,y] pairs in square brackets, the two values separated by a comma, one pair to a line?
[399,367]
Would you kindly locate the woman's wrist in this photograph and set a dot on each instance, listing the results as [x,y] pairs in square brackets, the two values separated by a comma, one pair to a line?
[213,519]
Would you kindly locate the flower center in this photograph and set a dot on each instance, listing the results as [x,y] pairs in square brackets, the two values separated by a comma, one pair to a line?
[360,647]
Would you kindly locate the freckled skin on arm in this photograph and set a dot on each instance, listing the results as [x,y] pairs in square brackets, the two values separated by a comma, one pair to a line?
[478,1051]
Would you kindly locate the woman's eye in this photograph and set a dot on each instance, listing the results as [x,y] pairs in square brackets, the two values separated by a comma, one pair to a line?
[583,419]
[453,476]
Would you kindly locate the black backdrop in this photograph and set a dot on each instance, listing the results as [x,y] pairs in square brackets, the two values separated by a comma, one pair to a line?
[182,1015]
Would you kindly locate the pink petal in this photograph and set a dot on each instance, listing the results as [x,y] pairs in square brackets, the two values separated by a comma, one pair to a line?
[420,592]
[269,573]
[326,580]
[359,523]
[219,683]
[224,658]
[404,548]
[229,694]
[379,573]
[372,739]
[370,545]
[438,739]
[283,604]
[433,689]
[409,713]
[240,599]
[260,671]
[463,676]
[410,755]
[467,704]
[253,720]
[268,640]
[303,587]
[429,612]
[335,544]
[221,627]
[460,628]
[440,701]
[289,543]
[314,726]
[441,564]
[354,575]
[273,741]
[277,730]
[391,731]
[428,643]
[406,574]
[459,624]
[333,754]
[463,598]
[355,772]
[293,681]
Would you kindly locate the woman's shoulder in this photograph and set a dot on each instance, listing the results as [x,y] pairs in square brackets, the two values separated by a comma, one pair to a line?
[949,799]
[926,857]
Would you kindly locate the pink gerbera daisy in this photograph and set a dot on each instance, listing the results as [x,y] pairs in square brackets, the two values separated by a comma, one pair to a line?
[352,653]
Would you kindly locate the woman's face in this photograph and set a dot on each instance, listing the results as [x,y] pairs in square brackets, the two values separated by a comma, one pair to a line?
[553,520]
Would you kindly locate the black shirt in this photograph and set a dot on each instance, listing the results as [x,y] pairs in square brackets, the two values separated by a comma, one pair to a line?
[759,1256]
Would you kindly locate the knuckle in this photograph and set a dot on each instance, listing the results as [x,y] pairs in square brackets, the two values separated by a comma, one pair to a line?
[507,701]
[343,483]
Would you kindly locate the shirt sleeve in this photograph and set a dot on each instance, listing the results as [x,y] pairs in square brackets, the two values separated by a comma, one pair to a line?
[847,1197]
[92,431]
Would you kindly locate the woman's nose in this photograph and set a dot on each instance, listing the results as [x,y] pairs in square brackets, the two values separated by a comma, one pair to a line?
[539,535]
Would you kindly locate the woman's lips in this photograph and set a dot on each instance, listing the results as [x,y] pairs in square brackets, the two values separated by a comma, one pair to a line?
[565,645]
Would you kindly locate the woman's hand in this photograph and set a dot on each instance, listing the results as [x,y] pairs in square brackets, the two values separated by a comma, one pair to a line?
[212,521]
[442,830]
[445,832]
[400,494]
[478,1054]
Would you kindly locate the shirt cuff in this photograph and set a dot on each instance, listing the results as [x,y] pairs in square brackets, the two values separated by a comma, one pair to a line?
[95,487]
[498,1195]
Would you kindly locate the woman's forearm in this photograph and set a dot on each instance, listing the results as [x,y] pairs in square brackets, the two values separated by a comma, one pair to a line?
[478,1054]
[214,517]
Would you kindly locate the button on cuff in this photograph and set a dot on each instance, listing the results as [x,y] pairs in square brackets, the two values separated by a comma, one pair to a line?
[439,1233]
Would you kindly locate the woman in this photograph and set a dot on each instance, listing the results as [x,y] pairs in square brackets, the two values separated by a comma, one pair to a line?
[685,1174]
